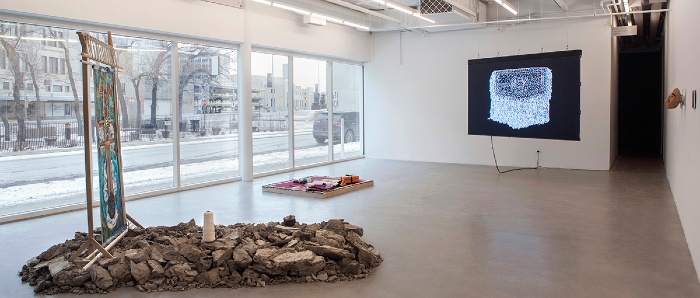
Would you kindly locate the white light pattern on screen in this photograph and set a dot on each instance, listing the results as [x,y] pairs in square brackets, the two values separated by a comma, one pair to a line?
[520,97]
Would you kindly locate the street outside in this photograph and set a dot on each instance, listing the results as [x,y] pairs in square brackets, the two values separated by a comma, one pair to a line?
[40,180]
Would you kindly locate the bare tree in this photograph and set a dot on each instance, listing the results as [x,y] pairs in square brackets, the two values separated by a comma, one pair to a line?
[155,75]
[122,103]
[77,107]
[5,109]
[13,54]
[31,57]
[190,68]
[134,73]
[121,59]
[184,79]
[136,82]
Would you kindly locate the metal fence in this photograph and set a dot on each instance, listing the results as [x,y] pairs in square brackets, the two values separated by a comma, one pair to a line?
[67,133]
[51,135]
[272,122]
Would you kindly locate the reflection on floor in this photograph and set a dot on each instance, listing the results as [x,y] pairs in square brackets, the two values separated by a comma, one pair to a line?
[445,230]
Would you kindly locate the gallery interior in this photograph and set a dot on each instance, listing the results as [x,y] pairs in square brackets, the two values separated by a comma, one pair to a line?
[518,148]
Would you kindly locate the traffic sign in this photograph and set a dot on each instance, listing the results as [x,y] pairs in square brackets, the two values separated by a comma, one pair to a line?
[204,102]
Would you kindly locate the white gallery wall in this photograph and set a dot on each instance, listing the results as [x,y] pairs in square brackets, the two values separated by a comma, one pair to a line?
[279,29]
[614,98]
[268,27]
[416,95]
[190,18]
[682,125]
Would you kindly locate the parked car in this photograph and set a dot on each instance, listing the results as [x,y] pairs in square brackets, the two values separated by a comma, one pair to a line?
[351,123]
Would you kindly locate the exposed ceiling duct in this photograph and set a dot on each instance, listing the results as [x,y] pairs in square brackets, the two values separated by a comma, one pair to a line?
[364,10]
[655,19]
[449,15]
[647,15]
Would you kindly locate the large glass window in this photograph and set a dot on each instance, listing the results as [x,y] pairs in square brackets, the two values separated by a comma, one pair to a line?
[32,175]
[41,133]
[310,120]
[269,83]
[208,113]
[146,105]
[346,100]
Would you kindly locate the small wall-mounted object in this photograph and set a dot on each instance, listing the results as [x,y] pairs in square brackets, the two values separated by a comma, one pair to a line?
[695,99]
[624,31]
[314,20]
[674,99]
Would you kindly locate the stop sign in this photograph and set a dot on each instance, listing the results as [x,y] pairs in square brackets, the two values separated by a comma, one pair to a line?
[204,102]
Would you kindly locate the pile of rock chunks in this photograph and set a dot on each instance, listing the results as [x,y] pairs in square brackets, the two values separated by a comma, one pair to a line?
[175,258]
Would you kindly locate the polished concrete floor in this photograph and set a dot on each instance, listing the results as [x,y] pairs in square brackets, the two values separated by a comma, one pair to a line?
[444,230]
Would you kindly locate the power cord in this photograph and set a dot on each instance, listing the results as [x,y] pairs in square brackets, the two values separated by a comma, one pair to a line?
[516,169]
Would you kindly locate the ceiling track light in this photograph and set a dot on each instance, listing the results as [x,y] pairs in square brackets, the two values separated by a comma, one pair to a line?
[507,6]
[417,15]
[404,9]
[327,18]
[399,8]
[297,10]
[562,5]
[355,25]
[309,13]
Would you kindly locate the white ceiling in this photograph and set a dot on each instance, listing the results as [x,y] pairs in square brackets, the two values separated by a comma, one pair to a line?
[524,7]
[528,10]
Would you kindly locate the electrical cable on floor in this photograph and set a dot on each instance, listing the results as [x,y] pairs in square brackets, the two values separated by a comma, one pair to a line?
[516,169]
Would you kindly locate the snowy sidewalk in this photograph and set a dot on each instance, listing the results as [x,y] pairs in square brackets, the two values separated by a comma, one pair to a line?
[44,195]
[126,146]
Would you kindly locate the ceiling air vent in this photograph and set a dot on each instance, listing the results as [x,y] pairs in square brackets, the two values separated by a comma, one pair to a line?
[450,11]
[434,6]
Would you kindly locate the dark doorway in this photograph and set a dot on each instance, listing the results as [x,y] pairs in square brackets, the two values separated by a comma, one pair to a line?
[640,105]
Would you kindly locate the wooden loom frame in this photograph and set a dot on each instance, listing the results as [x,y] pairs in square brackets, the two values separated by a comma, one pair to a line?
[100,52]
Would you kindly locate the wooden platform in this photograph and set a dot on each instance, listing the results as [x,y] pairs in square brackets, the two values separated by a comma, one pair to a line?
[298,189]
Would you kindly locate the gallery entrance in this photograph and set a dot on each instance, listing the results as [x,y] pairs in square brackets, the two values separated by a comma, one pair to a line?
[640,55]
[640,103]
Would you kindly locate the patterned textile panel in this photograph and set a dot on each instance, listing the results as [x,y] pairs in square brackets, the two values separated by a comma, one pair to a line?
[293,186]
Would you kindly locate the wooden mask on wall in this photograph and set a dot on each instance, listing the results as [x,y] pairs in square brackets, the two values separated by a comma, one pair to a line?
[673,99]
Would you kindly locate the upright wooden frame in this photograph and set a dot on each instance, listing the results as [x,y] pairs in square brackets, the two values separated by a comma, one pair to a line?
[96,51]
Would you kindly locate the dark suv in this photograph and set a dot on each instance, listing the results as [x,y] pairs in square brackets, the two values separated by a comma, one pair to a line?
[351,123]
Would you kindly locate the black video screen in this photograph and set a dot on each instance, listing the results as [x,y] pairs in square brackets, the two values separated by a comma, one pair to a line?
[526,96]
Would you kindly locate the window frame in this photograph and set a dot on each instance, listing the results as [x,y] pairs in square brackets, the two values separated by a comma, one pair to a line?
[57,67]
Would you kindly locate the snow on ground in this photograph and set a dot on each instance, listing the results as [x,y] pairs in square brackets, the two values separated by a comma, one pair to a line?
[42,193]
[300,127]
